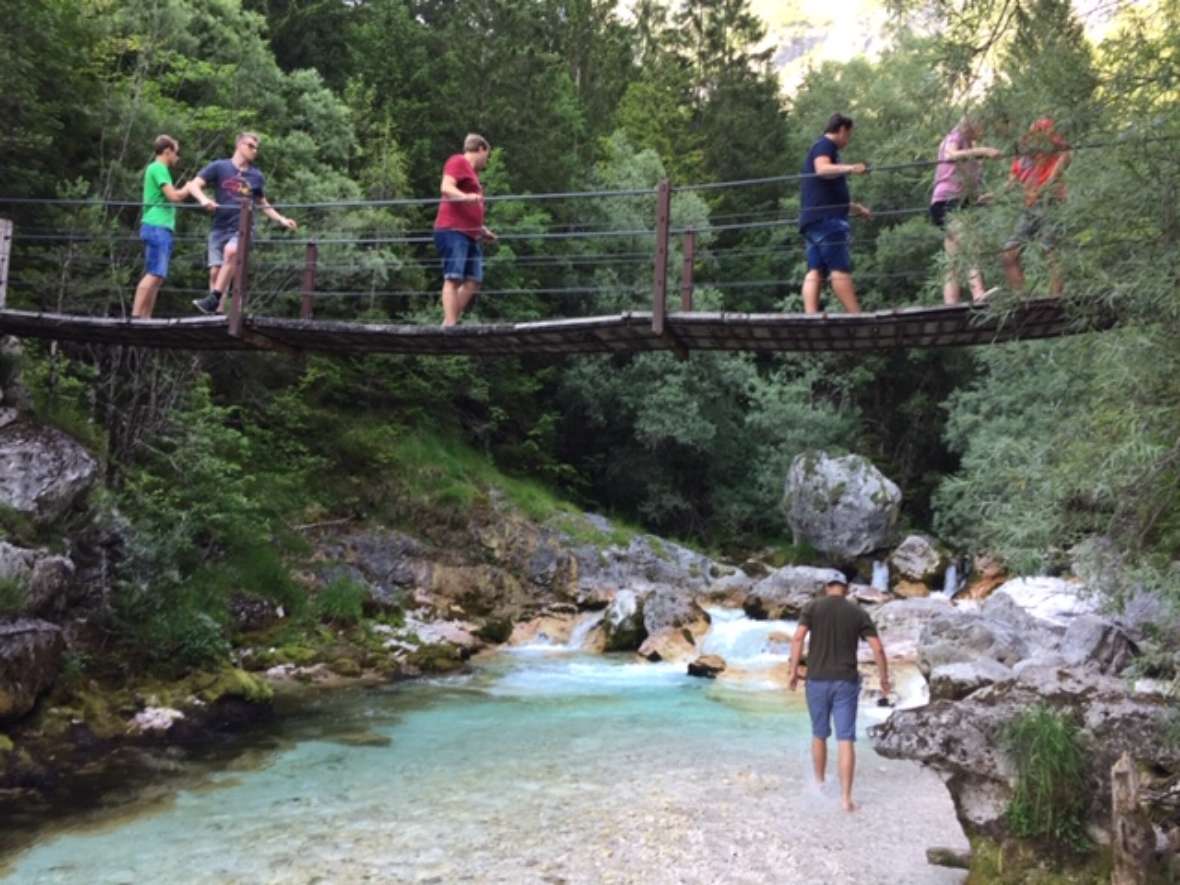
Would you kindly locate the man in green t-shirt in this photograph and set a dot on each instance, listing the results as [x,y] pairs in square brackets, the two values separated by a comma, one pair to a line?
[159,220]
[836,624]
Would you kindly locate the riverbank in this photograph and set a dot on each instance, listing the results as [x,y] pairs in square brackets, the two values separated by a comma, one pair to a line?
[536,766]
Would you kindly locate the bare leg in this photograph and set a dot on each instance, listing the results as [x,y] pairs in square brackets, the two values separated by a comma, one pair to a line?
[1013,271]
[467,293]
[951,292]
[450,302]
[847,765]
[812,284]
[819,758]
[225,274]
[978,291]
[845,290]
[145,296]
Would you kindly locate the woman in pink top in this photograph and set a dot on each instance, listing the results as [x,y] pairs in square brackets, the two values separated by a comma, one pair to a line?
[958,180]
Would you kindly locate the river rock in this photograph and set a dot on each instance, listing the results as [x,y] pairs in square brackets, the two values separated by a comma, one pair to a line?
[622,622]
[669,644]
[544,630]
[956,681]
[460,634]
[155,720]
[668,607]
[841,506]
[1093,641]
[956,636]
[868,595]
[707,666]
[645,563]
[987,573]
[919,559]
[43,472]
[44,577]
[1054,600]
[961,739]
[900,624]
[907,589]
[784,592]
[30,656]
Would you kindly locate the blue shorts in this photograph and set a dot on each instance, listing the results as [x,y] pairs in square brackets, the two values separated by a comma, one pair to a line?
[829,699]
[828,242]
[157,249]
[462,257]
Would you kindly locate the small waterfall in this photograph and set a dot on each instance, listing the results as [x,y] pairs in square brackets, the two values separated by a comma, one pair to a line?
[745,643]
[880,576]
[582,628]
[950,581]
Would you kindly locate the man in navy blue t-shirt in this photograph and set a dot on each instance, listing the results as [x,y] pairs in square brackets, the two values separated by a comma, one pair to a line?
[823,217]
[234,181]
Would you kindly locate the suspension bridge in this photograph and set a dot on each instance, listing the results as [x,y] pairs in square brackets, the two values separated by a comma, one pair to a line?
[281,314]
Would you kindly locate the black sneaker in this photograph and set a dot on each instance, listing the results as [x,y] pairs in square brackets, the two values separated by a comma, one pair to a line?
[208,304]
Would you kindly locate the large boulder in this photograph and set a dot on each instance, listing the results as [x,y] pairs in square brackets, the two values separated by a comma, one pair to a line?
[784,592]
[900,624]
[918,559]
[669,644]
[667,607]
[1054,600]
[961,739]
[646,562]
[1093,641]
[957,636]
[842,506]
[622,622]
[43,472]
[956,681]
[43,578]
[30,656]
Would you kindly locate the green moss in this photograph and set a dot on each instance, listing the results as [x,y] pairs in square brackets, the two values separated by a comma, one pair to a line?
[13,596]
[232,683]
[441,658]
[295,654]
[1023,863]
[345,667]
[6,745]
[496,630]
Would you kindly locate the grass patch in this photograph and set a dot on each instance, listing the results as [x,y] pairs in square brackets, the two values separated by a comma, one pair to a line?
[16,527]
[12,596]
[1050,798]
[341,602]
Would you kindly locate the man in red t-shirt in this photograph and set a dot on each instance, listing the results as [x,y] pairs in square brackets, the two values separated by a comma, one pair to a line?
[1039,171]
[459,227]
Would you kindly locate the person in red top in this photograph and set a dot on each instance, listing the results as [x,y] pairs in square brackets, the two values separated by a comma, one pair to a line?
[459,228]
[1039,171]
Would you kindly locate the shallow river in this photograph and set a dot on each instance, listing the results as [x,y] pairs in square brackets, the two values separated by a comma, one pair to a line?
[543,766]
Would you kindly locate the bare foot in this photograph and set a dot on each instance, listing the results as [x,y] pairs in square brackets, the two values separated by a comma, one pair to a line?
[850,806]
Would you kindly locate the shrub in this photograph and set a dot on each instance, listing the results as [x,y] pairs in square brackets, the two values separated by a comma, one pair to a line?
[1050,797]
[341,602]
[12,596]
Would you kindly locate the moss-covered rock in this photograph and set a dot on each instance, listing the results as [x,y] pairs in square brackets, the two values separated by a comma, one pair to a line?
[440,658]
[495,630]
[345,667]
[232,684]
[1015,862]
[6,746]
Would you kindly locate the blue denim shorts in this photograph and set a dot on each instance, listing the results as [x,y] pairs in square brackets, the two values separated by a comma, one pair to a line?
[828,241]
[219,238]
[829,699]
[462,257]
[157,249]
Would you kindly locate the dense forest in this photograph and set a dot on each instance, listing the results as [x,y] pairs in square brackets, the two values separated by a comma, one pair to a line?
[1023,450]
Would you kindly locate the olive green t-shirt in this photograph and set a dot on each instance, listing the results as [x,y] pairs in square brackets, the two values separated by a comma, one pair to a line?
[156,208]
[837,624]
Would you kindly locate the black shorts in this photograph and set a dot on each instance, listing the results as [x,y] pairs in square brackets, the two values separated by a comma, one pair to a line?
[940,210]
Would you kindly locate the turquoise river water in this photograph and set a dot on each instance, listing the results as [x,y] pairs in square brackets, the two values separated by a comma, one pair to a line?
[544,765]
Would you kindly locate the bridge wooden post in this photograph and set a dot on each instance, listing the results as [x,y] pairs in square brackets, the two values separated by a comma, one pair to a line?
[5,253]
[686,282]
[237,306]
[660,281]
[305,309]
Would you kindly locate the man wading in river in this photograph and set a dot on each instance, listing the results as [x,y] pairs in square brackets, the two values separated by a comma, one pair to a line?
[836,625]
